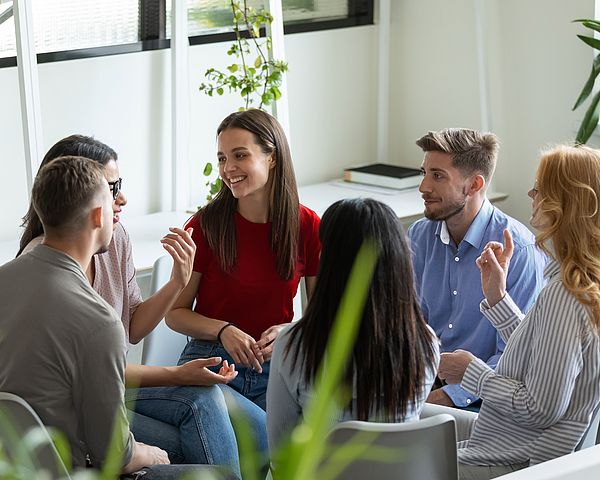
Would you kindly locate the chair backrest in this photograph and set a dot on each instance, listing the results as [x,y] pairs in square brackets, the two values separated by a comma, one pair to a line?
[423,449]
[18,419]
[163,345]
[590,437]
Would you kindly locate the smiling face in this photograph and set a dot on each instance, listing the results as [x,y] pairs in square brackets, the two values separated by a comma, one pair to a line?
[443,188]
[111,173]
[243,166]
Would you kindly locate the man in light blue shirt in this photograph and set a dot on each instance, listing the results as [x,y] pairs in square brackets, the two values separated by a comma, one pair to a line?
[457,168]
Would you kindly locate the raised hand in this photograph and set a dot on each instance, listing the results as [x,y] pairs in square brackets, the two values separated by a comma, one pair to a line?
[264,346]
[240,346]
[493,264]
[179,244]
[195,372]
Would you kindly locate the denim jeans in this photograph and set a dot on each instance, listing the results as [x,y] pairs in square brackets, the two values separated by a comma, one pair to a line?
[192,423]
[249,383]
[178,472]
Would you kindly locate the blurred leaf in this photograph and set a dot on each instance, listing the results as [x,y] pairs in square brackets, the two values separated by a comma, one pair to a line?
[591,41]
[589,23]
[590,121]
[589,85]
[300,458]
[208,168]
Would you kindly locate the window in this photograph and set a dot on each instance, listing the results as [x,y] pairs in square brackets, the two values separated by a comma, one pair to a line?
[65,29]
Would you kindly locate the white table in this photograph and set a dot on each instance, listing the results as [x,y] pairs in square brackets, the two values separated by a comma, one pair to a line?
[407,204]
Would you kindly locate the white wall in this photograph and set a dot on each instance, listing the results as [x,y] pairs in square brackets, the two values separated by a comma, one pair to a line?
[124,100]
[536,68]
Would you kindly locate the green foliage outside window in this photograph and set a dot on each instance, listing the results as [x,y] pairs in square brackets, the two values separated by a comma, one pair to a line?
[253,73]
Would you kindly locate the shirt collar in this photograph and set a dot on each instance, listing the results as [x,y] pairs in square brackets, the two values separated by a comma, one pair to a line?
[476,230]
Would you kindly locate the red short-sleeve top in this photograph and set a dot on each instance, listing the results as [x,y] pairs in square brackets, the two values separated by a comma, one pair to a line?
[253,296]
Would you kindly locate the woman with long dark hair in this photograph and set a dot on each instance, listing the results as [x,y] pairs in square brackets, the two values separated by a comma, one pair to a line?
[393,362]
[254,243]
[188,417]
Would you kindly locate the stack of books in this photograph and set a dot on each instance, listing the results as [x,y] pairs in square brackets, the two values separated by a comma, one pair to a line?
[384,175]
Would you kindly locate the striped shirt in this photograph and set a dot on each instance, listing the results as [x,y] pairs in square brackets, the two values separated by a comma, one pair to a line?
[539,401]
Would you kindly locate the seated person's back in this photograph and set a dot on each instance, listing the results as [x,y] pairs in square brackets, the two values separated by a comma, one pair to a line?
[393,362]
[62,348]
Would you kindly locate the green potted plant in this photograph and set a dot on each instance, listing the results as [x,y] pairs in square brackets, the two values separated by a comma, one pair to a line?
[590,120]
[253,74]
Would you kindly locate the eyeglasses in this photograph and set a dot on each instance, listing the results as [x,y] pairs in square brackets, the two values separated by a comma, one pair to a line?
[115,187]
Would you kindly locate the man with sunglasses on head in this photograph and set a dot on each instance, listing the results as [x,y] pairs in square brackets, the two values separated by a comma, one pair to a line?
[457,169]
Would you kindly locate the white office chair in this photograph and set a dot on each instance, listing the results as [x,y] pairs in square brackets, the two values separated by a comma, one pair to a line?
[591,436]
[163,345]
[18,421]
[425,449]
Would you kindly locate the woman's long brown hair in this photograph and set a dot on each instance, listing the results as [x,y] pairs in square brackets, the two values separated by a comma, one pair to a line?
[217,218]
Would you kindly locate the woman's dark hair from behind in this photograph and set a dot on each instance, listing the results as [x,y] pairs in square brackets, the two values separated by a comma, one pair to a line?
[71,146]
[393,349]
[217,218]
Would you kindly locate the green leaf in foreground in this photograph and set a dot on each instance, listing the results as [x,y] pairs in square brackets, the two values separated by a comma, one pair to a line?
[590,121]
[299,459]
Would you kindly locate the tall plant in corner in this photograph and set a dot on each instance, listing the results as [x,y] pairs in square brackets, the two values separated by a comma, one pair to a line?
[590,120]
[254,74]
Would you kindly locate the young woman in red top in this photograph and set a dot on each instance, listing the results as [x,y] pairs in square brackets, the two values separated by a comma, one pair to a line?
[254,241]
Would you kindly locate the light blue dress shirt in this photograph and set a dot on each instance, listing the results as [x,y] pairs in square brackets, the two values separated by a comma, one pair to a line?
[449,283]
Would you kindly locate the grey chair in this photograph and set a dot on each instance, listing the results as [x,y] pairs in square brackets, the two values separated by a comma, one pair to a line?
[18,422]
[425,449]
[591,436]
[163,345]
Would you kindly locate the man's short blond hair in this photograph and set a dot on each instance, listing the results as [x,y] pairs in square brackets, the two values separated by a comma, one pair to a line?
[472,151]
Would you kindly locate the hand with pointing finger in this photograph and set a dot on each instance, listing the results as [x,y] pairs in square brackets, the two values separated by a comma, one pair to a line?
[493,264]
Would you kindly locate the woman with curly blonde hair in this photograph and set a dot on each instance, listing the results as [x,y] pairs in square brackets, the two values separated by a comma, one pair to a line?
[539,402]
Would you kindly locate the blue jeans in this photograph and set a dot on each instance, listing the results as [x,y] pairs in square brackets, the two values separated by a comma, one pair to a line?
[249,383]
[192,423]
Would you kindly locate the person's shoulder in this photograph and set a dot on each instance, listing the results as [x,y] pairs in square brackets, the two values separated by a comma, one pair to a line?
[522,236]
[120,238]
[192,222]
[308,216]
[282,343]
[557,297]
[101,318]
[422,226]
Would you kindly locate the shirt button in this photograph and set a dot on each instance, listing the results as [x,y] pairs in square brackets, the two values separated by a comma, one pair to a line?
[456,259]
[468,400]
[450,325]
[454,292]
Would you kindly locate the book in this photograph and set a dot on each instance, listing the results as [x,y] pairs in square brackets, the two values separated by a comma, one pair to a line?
[384,175]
